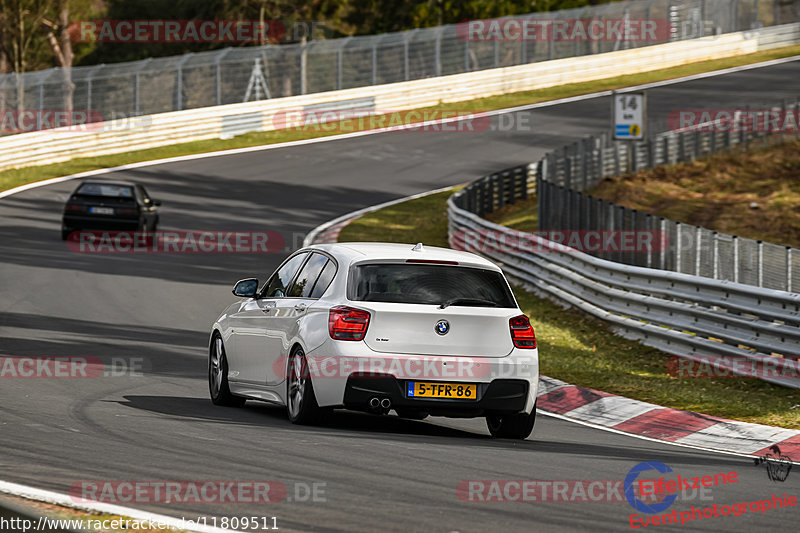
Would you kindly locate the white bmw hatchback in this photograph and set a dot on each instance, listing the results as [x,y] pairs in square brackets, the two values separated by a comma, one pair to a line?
[376,327]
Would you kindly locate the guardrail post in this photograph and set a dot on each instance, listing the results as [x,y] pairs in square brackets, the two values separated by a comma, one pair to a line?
[374,64]
[89,78]
[664,244]
[620,225]
[407,37]
[217,74]
[340,62]
[567,169]
[601,153]
[760,265]
[735,259]
[438,52]
[678,246]
[715,260]
[789,268]
[648,224]
[697,249]
[179,81]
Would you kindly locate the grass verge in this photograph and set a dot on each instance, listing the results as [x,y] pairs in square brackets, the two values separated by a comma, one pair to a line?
[16,177]
[582,350]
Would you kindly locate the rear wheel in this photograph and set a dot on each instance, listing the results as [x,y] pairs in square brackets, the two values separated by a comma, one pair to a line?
[301,403]
[516,426]
[218,376]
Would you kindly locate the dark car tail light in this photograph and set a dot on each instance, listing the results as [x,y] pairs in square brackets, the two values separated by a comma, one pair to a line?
[127,211]
[348,323]
[522,332]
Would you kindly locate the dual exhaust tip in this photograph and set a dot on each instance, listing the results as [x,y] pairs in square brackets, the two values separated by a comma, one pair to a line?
[380,405]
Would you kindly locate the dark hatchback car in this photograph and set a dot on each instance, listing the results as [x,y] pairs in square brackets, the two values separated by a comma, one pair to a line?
[101,205]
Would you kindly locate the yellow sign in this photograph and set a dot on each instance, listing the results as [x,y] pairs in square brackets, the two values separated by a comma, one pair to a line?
[635,130]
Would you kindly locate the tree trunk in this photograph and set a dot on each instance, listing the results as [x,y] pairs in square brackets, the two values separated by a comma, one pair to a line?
[62,50]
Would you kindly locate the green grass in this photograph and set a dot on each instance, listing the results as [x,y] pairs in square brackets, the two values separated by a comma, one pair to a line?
[15,177]
[582,350]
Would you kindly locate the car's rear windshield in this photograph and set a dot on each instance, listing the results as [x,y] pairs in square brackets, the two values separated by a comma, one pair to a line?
[429,284]
[101,189]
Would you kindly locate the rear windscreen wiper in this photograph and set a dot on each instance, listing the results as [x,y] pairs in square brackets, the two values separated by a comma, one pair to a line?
[475,301]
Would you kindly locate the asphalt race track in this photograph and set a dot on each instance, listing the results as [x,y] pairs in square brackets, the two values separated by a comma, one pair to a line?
[153,311]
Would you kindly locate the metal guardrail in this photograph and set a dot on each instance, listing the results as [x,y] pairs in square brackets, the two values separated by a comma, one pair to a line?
[159,85]
[688,316]
[563,176]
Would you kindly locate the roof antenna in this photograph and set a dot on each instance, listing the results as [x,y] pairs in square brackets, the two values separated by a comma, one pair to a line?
[418,248]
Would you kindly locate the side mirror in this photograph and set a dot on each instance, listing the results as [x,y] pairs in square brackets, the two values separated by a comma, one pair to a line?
[246,288]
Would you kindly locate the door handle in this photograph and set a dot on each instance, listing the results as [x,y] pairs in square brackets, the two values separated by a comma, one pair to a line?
[266,309]
[300,308]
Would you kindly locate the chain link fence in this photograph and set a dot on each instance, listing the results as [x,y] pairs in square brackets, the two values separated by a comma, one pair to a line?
[563,176]
[227,76]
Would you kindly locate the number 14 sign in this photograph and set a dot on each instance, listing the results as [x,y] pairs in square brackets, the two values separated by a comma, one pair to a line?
[629,116]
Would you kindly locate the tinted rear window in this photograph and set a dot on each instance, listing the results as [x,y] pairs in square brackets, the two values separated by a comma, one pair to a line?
[98,189]
[428,284]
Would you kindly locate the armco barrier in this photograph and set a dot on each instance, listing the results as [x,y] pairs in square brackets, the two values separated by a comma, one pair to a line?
[52,146]
[688,316]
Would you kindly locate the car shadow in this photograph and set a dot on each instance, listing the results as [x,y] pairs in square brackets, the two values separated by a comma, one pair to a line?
[356,425]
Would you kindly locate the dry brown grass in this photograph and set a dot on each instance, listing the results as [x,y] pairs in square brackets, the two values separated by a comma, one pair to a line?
[717,193]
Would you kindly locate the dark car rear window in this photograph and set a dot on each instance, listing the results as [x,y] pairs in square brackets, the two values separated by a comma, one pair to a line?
[428,284]
[102,189]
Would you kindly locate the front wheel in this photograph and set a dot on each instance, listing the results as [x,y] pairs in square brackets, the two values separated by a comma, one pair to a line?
[301,403]
[516,426]
[218,376]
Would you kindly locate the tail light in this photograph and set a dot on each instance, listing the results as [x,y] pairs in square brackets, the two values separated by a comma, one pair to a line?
[347,323]
[522,332]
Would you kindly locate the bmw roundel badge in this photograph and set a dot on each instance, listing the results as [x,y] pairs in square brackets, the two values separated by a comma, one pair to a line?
[442,327]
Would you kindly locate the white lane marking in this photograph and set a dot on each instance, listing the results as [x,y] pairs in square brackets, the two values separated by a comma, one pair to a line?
[63,500]
[289,144]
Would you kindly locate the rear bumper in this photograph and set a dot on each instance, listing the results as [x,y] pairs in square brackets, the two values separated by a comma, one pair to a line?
[500,396]
[99,223]
[350,374]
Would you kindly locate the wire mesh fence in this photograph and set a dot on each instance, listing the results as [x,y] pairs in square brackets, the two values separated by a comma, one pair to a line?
[564,175]
[227,76]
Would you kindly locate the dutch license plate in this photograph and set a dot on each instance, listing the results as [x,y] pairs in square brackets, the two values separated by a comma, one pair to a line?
[102,210]
[458,391]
